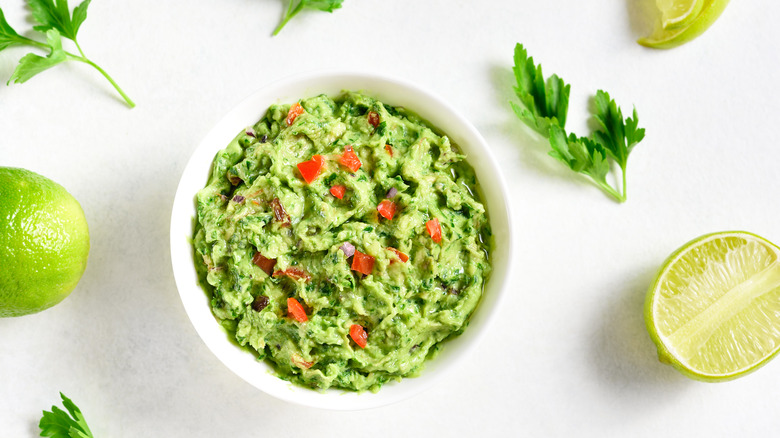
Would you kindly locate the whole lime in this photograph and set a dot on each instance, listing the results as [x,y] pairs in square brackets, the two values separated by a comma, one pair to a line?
[44,242]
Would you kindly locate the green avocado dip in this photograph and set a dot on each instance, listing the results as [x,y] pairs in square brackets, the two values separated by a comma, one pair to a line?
[342,241]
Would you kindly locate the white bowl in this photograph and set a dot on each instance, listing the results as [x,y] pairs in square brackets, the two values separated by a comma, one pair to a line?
[394,92]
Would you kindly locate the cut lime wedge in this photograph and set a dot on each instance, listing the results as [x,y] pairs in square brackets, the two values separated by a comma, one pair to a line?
[670,35]
[714,309]
[676,14]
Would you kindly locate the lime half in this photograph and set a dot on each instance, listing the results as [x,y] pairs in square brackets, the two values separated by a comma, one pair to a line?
[714,309]
[672,33]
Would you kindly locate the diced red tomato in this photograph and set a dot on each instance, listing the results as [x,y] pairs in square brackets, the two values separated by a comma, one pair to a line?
[386,208]
[295,110]
[389,150]
[311,169]
[434,229]
[294,273]
[295,310]
[338,191]
[373,118]
[359,335]
[363,263]
[404,258]
[350,160]
[264,263]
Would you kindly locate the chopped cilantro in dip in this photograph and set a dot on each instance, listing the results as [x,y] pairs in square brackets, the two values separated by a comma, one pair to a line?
[342,240]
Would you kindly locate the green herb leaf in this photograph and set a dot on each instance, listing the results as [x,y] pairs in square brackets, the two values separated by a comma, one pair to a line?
[32,64]
[323,5]
[582,155]
[55,14]
[617,137]
[293,8]
[545,102]
[58,424]
[55,20]
[544,106]
[8,35]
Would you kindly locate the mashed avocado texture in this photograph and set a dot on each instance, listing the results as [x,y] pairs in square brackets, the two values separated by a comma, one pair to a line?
[342,240]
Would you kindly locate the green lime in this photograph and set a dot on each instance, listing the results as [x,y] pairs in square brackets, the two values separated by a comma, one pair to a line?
[44,242]
[714,309]
[672,34]
[676,14]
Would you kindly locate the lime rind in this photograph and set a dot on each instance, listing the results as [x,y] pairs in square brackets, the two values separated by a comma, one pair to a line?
[752,334]
[45,237]
[676,35]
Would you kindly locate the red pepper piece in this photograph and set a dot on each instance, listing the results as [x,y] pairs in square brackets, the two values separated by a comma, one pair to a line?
[434,229]
[404,258]
[363,263]
[295,310]
[311,169]
[386,208]
[359,335]
[264,263]
[389,150]
[373,118]
[338,191]
[295,110]
[350,160]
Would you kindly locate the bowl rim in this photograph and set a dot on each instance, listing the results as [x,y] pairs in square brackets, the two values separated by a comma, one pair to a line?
[332,82]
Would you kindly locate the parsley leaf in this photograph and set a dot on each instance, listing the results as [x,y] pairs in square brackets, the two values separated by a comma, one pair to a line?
[8,35]
[582,155]
[296,6]
[32,64]
[544,102]
[55,14]
[544,106]
[55,21]
[58,424]
[617,136]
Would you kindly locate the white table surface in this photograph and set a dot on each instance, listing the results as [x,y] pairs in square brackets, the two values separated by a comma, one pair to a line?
[569,356]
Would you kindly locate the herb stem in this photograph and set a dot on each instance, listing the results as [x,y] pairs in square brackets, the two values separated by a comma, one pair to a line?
[78,46]
[34,43]
[608,189]
[624,186]
[83,58]
[289,15]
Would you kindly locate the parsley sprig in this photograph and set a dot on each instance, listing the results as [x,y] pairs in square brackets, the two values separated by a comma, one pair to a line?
[544,103]
[59,424]
[543,107]
[296,6]
[55,21]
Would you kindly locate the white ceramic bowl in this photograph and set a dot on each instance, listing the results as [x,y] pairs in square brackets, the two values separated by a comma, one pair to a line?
[394,92]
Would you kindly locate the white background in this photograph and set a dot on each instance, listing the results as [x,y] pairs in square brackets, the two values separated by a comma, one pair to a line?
[569,355]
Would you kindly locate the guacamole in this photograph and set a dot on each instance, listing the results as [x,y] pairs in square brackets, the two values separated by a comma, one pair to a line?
[342,241]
